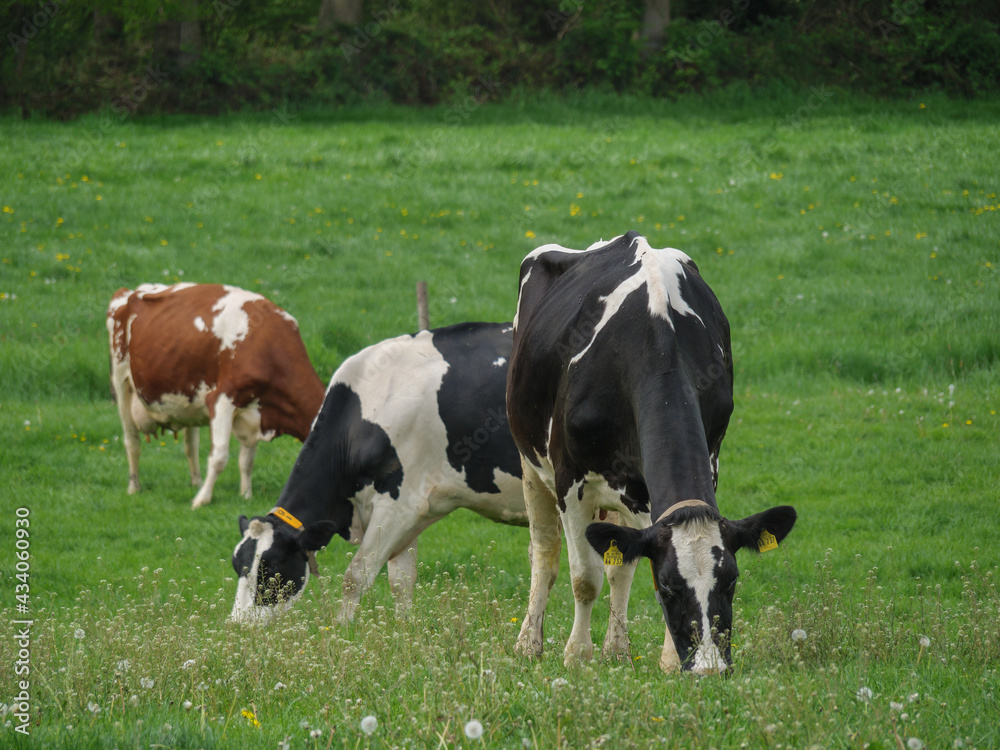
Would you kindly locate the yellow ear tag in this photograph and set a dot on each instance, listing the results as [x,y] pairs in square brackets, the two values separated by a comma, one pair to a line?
[767,541]
[613,556]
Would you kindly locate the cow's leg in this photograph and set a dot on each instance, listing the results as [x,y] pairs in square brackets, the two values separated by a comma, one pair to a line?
[124,395]
[246,428]
[543,523]
[616,644]
[247,452]
[669,660]
[191,435]
[587,571]
[220,411]
[391,528]
[403,577]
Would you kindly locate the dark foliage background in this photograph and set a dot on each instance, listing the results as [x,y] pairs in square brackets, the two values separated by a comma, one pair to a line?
[62,58]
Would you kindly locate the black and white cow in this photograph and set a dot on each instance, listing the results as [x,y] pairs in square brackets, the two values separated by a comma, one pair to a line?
[619,394]
[411,429]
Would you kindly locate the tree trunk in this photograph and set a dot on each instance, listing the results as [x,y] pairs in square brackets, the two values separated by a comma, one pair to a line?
[654,23]
[177,42]
[332,12]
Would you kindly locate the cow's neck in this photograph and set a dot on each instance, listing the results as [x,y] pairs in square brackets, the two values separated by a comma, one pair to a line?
[295,415]
[320,485]
[676,461]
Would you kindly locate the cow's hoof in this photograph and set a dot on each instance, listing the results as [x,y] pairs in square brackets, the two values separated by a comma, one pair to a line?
[199,501]
[529,648]
[578,654]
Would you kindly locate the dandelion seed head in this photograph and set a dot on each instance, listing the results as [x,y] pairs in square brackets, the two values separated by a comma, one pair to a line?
[474,730]
[925,642]
[369,724]
[864,694]
[79,634]
[187,705]
[798,634]
[915,744]
[897,707]
[147,683]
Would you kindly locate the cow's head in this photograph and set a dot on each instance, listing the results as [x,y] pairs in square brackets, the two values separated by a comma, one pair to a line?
[693,551]
[272,561]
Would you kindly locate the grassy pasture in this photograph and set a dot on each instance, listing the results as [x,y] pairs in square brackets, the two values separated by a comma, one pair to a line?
[854,247]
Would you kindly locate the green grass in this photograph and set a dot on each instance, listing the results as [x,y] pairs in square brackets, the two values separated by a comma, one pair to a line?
[854,248]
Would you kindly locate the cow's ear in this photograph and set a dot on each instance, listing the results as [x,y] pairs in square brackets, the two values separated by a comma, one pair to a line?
[317,535]
[632,543]
[244,524]
[763,531]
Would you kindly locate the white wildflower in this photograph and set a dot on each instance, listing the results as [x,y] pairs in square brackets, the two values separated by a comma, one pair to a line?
[912,697]
[147,683]
[79,634]
[925,642]
[187,705]
[914,744]
[93,708]
[123,665]
[369,724]
[280,685]
[864,694]
[798,634]
[897,707]
[316,734]
[473,730]
[188,664]
[559,682]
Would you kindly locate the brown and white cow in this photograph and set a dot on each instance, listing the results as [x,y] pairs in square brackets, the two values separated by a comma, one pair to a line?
[187,355]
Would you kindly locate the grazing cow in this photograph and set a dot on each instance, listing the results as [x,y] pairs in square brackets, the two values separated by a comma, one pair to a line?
[619,393]
[187,355]
[411,429]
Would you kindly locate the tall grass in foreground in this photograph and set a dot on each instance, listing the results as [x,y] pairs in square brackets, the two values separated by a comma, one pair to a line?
[829,668]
